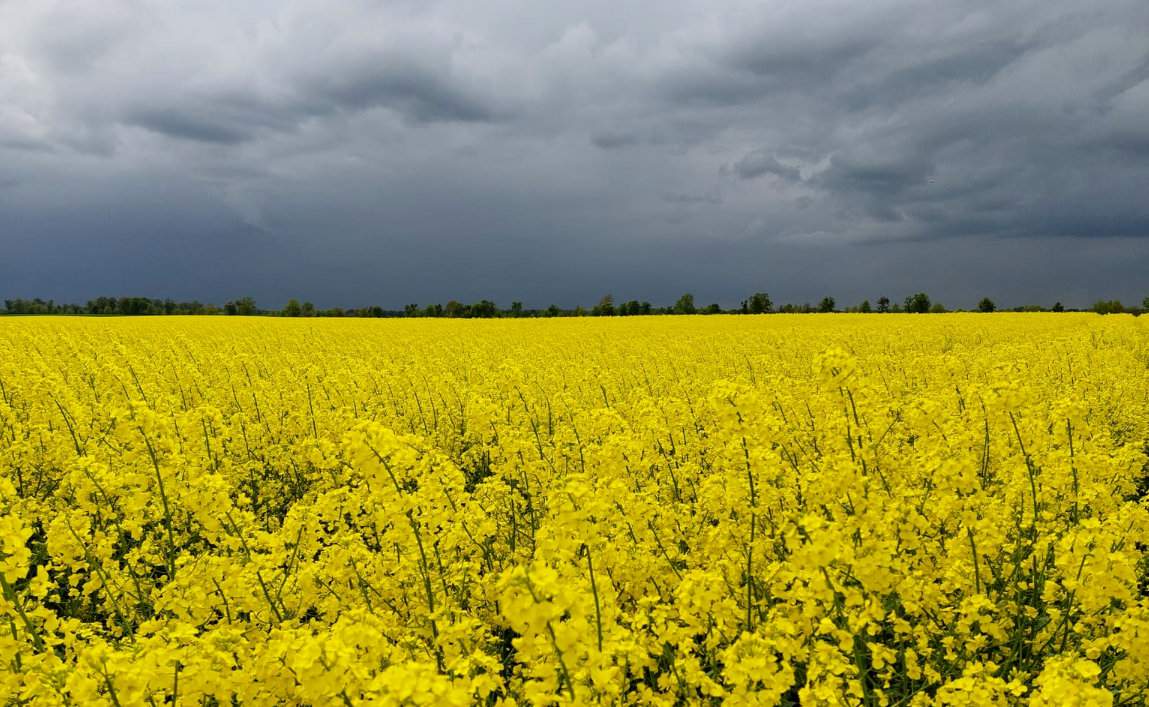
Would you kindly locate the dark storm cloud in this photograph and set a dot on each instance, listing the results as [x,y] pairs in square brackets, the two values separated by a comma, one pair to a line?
[614,141]
[419,94]
[360,151]
[950,70]
[179,124]
[760,162]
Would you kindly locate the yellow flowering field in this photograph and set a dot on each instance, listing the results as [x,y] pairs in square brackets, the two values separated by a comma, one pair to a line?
[837,509]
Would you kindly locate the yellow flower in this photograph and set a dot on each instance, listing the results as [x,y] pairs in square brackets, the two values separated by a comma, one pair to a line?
[659,511]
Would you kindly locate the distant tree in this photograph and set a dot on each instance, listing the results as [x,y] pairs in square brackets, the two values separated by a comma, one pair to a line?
[516,309]
[307,310]
[788,308]
[685,304]
[31,306]
[605,307]
[918,303]
[712,309]
[1145,304]
[433,310]
[411,310]
[552,311]
[245,307]
[292,308]
[102,305]
[136,306]
[1108,307]
[883,304]
[1058,307]
[865,308]
[454,309]
[644,307]
[759,303]
[986,305]
[484,309]
[826,305]
[937,308]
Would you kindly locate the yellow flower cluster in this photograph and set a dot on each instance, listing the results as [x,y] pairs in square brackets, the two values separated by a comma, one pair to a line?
[853,509]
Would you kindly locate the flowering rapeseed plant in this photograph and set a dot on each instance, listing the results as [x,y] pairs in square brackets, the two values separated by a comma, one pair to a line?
[771,510]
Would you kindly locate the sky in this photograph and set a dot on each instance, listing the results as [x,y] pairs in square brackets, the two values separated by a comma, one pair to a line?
[388,152]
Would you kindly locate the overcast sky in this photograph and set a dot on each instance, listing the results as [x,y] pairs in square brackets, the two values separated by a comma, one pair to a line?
[412,151]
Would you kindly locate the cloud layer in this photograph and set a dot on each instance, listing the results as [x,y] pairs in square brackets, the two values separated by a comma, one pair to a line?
[372,151]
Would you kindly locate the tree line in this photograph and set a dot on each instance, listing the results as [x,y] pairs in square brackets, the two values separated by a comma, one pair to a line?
[129,306]
[757,303]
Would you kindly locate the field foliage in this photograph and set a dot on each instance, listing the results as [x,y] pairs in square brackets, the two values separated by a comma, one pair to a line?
[820,509]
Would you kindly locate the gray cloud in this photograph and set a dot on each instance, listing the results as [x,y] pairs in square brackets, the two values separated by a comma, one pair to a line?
[692,199]
[419,94]
[361,151]
[178,124]
[614,141]
[760,162]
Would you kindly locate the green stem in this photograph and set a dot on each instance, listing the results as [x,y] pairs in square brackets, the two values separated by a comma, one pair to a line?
[594,591]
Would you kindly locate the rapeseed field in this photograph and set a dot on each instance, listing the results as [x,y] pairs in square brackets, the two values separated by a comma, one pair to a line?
[825,510]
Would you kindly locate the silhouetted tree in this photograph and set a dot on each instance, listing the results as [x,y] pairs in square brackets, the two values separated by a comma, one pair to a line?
[244,307]
[865,308]
[137,306]
[1111,306]
[986,305]
[30,306]
[796,308]
[292,308]
[516,309]
[102,305]
[307,310]
[826,305]
[604,308]
[685,304]
[759,303]
[1058,307]
[712,309]
[918,303]
[883,304]
[484,309]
